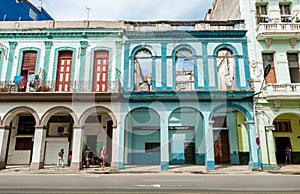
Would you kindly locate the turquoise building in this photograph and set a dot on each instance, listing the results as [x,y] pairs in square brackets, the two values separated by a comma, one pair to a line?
[186,97]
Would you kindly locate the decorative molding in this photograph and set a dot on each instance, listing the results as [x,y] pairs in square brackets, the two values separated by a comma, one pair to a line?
[84,44]
[293,42]
[119,44]
[268,42]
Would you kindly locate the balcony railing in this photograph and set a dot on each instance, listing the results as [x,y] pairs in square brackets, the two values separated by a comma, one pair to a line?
[50,86]
[267,30]
[287,90]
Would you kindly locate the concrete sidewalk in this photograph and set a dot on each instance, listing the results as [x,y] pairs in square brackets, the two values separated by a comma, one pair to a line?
[194,169]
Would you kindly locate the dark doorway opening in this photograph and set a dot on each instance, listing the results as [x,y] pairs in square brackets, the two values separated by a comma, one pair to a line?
[189,153]
[221,147]
[281,144]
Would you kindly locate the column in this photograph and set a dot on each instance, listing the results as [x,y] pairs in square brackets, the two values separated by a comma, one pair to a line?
[120,161]
[209,144]
[118,59]
[260,123]
[271,148]
[37,161]
[253,148]
[82,52]
[4,132]
[48,45]
[76,162]
[233,139]
[164,142]
[115,147]
[11,56]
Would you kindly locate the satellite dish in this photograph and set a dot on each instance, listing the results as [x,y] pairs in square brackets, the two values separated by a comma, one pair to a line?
[267,70]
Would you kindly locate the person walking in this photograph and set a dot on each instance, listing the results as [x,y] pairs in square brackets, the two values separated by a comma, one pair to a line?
[102,157]
[60,158]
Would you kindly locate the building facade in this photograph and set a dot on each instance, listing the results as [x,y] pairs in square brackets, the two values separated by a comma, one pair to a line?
[273,40]
[22,10]
[150,92]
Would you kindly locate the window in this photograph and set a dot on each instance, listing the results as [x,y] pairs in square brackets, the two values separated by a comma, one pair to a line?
[184,70]
[285,12]
[28,70]
[268,59]
[219,122]
[100,77]
[293,63]
[24,143]
[282,126]
[152,147]
[64,70]
[26,125]
[226,70]
[142,70]
[261,13]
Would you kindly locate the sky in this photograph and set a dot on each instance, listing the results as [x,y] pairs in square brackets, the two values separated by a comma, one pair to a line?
[136,10]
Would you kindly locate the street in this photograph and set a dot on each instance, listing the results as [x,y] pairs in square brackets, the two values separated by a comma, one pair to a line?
[138,183]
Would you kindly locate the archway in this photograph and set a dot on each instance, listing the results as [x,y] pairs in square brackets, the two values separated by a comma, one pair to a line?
[286,133]
[186,136]
[230,136]
[59,122]
[98,124]
[142,138]
[21,122]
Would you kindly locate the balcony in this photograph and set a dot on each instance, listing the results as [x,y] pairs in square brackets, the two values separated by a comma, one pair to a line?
[278,31]
[282,91]
[44,92]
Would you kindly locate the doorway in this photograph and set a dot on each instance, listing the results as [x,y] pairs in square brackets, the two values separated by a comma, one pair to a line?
[221,147]
[281,144]
[189,153]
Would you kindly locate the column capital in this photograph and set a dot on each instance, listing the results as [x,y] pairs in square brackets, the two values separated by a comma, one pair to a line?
[119,44]
[48,44]
[84,43]
[250,122]
[12,45]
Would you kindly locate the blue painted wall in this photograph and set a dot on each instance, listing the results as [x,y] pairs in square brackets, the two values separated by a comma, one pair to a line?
[10,10]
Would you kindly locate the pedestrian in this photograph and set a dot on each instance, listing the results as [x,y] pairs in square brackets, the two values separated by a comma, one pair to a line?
[69,158]
[60,158]
[88,156]
[102,157]
[288,154]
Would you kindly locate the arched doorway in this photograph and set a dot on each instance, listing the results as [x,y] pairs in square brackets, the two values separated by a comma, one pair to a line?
[98,124]
[286,134]
[59,123]
[186,144]
[230,137]
[21,122]
[142,137]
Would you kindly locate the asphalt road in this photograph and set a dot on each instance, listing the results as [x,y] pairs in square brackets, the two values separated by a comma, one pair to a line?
[142,183]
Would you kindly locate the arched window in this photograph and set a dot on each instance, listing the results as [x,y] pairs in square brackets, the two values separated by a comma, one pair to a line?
[184,70]
[226,70]
[142,70]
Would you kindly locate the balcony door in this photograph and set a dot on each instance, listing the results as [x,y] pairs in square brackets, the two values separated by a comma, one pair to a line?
[269,59]
[100,77]
[64,68]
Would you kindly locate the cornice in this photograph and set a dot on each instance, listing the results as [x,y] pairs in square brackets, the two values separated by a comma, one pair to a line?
[60,35]
[186,34]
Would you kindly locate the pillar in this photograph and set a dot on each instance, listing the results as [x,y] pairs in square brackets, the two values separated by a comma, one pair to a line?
[76,162]
[4,132]
[48,45]
[37,161]
[253,148]
[263,140]
[11,56]
[164,142]
[115,147]
[209,145]
[271,148]
[121,138]
[82,51]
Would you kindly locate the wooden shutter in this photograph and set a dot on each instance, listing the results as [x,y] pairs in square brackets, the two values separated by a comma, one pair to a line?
[64,69]
[29,62]
[100,77]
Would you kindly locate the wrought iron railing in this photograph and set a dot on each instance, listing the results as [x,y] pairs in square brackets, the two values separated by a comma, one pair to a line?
[50,86]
